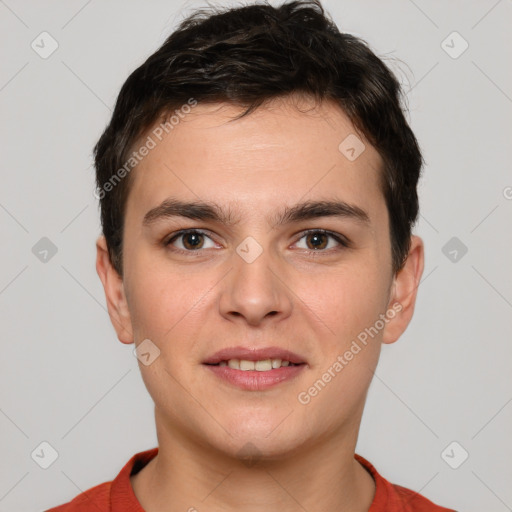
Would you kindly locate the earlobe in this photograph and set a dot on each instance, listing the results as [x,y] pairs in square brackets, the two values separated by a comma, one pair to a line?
[404,291]
[114,293]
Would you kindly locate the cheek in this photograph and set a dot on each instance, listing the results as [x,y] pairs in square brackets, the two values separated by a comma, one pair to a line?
[348,300]
[160,302]
[350,303]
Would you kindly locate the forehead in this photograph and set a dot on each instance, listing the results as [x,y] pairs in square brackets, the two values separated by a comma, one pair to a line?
[283,152]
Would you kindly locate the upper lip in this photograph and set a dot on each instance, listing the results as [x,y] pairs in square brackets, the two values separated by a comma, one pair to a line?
[254,354]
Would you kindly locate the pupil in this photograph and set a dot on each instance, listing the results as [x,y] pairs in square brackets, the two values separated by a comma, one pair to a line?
[317,236]
[196,236]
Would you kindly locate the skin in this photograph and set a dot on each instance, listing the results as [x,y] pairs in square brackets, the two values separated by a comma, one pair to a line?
[311,301]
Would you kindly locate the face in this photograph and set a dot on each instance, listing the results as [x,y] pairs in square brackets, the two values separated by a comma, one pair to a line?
[287,258]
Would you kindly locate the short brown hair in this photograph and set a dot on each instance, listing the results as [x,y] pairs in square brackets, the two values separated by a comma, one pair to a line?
[249,55]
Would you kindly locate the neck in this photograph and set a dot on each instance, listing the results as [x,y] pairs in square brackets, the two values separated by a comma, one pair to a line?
[323,476]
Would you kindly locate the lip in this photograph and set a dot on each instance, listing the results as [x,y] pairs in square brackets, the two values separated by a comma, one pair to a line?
[253,380]
[254,354]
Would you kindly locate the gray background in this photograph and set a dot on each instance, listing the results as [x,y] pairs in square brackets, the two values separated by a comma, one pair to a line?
[66,380]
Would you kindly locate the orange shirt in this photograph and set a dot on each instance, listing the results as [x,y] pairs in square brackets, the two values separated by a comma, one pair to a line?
[118,495]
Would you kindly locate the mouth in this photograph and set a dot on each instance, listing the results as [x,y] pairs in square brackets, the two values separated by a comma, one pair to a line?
[262,365]
[255,369]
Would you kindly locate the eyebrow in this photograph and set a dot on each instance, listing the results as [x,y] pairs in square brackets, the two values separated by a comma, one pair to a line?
[199,210]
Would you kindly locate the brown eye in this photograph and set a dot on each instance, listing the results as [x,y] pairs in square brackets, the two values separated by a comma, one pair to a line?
[191,241]
[317,240]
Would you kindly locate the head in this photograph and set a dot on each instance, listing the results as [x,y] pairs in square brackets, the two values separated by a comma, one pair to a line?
[289,139]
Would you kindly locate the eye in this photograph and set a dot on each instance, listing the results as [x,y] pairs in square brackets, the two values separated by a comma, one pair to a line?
[191,240]
[318,240]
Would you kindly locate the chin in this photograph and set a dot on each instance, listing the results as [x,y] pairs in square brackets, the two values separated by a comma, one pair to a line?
[261,440]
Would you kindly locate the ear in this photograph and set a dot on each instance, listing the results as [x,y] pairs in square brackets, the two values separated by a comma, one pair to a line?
[403,292]
[114,293]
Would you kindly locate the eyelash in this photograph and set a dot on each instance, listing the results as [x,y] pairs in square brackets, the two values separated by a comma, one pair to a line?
[345,243]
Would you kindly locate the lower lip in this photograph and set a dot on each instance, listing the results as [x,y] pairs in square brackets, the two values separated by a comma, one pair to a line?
[254,380]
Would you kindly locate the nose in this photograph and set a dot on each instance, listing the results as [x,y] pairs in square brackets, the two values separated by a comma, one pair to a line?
[256,291]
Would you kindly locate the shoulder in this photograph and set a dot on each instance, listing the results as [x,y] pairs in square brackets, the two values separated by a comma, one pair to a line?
[95,499]
[412,501]
[116,495]
[391,497]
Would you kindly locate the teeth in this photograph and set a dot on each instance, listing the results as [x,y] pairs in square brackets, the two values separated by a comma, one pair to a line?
[247,365]
[261,366]
[234,363]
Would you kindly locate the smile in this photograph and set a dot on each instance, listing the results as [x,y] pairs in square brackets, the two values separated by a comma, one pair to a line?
[263,365]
